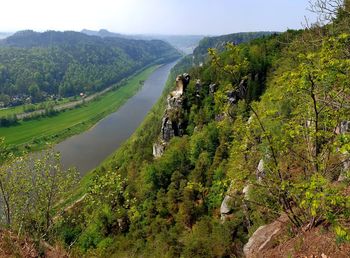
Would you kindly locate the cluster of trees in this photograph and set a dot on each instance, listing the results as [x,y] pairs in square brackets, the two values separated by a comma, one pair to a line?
[200,53]
[30,188]
[67,63]
[149,206]
[9,120]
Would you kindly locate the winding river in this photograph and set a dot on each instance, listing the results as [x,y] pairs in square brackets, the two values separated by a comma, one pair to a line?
[87,150]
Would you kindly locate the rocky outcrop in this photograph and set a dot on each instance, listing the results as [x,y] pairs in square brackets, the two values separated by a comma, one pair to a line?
[225,208]
[227,204]
[172,122]
[260,171]
[198,88]
[158,149]
[212,88]
[239,93]
[265,237]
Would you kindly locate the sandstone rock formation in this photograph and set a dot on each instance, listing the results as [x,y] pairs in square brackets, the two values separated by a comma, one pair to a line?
[172,122]
[225,208]
[265,237]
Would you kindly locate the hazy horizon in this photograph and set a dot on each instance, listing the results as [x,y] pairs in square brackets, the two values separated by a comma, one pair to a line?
[196,17]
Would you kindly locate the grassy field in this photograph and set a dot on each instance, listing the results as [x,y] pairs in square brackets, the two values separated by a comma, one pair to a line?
[21,109]
[35,134]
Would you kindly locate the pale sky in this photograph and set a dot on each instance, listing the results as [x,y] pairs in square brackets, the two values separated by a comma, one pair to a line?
[209,17]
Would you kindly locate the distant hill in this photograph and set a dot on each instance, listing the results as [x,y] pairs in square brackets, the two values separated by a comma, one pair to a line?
[185,43]
[5,34]
[200,53]
[102,33]
[220,42]
[66,63]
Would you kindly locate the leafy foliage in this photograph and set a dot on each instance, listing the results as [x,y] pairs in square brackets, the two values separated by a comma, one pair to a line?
[271,135]
[30,187]
[67,63]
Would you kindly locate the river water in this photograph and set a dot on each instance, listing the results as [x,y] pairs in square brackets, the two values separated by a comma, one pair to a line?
[87,150]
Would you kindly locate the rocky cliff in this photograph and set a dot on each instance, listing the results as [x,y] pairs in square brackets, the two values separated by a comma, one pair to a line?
[173,123]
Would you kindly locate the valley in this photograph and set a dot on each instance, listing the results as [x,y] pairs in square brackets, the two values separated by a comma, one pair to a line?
[87,150]
[43,132]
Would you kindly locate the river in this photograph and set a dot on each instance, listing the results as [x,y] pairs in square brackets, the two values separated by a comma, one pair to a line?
[87,150]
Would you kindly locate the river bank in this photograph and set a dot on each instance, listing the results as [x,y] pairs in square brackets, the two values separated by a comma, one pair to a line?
[88,149]
[44,132]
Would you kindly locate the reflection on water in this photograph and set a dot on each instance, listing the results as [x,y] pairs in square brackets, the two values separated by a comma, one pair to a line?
[87,150]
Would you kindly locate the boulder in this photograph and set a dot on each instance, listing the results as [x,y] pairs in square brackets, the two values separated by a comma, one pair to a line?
[225,207]
[265,237]
[260,171]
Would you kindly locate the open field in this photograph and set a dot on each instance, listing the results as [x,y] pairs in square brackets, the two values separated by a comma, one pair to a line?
[34,134]
[21,109]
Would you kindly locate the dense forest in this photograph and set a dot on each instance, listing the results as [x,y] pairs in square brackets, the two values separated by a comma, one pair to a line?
[37,65]
[220,42]
[263,126]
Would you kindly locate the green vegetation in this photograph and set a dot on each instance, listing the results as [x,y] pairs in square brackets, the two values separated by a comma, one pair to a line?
[30,186]
[219,42]
[266,128]
[35,66]
[45,131]
[32,107]
[281,100]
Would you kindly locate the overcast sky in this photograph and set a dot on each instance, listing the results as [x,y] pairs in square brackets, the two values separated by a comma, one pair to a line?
[209,17]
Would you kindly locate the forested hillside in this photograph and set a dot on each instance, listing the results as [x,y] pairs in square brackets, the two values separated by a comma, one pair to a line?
[220,42]
[184,43]
[261,130]
[200,53]
[36,65]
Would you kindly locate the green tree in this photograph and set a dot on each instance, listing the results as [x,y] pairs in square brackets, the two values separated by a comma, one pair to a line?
[300,144]
[30,187]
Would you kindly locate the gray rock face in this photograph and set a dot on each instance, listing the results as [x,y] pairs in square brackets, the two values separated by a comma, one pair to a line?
[198,88]
[227,204]
[260,171]
[212,88]
[239,93]
[171,122]
[264,237]
[225,207]
[174,102]
[167,131]
[344,126]
[158,149]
